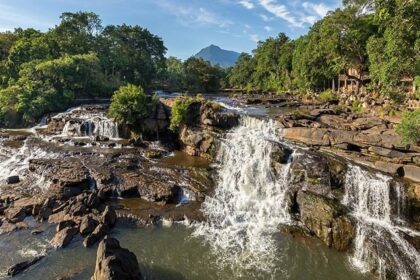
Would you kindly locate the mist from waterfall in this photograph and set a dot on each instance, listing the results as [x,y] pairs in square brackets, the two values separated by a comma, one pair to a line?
[379,235]
[249,201]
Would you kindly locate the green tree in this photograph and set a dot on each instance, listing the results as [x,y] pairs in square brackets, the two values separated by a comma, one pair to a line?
[77,33]
[273,64]
[394,52]
[174,75]
[130,105]
[241,74]
[409,129]
[131,54]
[201,76]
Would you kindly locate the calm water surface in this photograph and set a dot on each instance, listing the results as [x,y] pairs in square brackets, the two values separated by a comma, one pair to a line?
[171,253]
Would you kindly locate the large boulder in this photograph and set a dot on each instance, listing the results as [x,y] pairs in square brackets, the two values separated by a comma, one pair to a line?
[64,237]
[100,231]
[115,263]
[326,218]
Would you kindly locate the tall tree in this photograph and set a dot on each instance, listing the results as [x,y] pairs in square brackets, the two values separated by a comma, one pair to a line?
[131,54]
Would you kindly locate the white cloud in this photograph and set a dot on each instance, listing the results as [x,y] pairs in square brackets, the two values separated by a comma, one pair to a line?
[280,11]
[268,28]
[247,4]
[295,13]
[320,9]
[191,16]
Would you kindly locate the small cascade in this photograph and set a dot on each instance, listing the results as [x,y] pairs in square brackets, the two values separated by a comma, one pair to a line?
[16,162]
[380,243]
[91,126]
[249,200]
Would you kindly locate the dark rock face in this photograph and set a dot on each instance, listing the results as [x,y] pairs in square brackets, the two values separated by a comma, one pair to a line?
[114,262]
[204,125]
[12,180]
[326,219]
[317,185]
[20,267]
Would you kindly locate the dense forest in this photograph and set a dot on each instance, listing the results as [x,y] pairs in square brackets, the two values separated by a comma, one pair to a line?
[378,36]
[43,72]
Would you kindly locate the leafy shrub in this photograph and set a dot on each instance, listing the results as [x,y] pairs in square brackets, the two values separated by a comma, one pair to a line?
[130,105]
[327,95]
[180,110]
[357,106]
[409,129]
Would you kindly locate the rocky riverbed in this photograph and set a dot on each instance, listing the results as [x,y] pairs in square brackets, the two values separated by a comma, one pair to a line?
[82,173]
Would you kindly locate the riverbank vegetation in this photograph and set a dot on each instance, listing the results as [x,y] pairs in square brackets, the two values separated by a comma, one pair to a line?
[373,36]
[43,72]
[78,59]
[130,106]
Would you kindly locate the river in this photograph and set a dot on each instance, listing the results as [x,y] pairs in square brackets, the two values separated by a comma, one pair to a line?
[239,238]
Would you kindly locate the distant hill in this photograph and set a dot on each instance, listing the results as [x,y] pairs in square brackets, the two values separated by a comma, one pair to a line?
[216,55]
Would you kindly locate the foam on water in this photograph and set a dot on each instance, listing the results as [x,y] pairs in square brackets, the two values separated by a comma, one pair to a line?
[249,200]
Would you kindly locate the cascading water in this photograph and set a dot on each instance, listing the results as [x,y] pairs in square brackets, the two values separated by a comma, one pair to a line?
[15,162]
[249,200]
[379,242]
[81,122]
[91,126]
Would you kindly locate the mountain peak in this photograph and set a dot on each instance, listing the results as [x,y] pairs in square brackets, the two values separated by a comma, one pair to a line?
[216,55]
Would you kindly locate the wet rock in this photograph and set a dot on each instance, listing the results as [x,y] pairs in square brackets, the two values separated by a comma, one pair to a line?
[100,231]
[93,201]
[37,232]
[20,267]
[78,209]
[411,172]
[15,214]
[198,142]
[311,172]
[109,216]
[64,237]
[12,180]
[69,176]
[101,138]
[387,152]
[65,224]
[46,209]
[114,262]
[310,136]
[326,219]
[87,225]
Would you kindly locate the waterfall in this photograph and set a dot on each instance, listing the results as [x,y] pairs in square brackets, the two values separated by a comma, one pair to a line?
[91,126]
[249,201]
[16,162]
[379,239]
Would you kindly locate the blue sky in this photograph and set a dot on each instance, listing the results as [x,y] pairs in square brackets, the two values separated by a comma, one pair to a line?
[186,26]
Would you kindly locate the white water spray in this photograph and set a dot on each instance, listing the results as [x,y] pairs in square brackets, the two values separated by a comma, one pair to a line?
[249,201]
[379,239]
